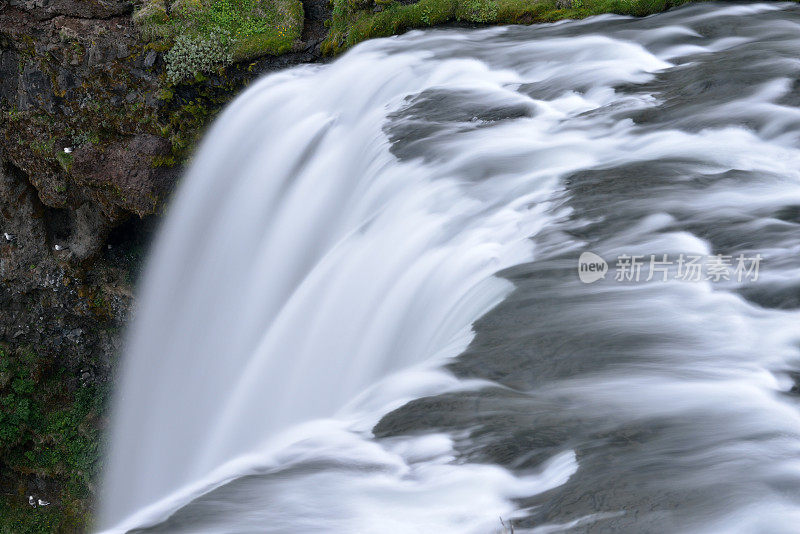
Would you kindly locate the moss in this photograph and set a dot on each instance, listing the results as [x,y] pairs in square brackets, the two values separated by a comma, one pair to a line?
[352,23]
[165,95]
[100,306]
[152,19]
[202,35]
[478,10]
[65,160]
[49,429]
[20,518]
[188,115]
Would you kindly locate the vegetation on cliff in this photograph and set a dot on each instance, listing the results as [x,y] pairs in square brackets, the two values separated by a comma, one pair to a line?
[201,35]
[354,21]
[49,428]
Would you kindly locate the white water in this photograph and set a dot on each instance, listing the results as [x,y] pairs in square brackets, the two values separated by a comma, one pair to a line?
[323,266]
[312,277]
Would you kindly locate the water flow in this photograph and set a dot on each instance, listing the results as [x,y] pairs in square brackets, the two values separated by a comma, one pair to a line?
[300,264]
[298,358]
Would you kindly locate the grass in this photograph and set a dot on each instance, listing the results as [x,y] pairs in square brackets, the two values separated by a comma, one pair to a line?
[201,35]
[353,21]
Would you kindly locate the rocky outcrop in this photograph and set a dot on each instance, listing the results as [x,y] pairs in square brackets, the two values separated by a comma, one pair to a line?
[76,89]
[88,9]
[88,116]
[124,178]
[48,301]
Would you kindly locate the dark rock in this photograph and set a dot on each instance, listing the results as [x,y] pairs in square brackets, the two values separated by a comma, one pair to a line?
[36,90]
[122,51]
[88,230]
[150,59]
[9,76]
[85,9]
[22,217]
[317,10]
[126,169]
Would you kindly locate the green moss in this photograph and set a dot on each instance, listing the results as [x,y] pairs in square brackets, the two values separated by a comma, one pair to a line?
[152,19]
[187,118]
[479,10]
[49,428]
[65,160]
[165,95]
[353,23]
[205,34]
[164,161]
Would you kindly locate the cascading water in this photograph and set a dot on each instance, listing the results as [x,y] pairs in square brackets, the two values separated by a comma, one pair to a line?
[303,358]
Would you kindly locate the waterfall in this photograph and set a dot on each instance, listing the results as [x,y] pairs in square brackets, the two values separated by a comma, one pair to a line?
[343,227]
[301,263]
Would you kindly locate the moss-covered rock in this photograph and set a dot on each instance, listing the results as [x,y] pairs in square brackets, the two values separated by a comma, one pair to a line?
[354,21]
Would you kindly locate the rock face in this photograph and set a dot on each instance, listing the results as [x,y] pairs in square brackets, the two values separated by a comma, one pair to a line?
[91,9]
[92,139]
[73,78]
[134,187]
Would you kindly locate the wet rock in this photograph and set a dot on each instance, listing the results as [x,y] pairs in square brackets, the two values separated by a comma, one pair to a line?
[87,231]
[9,74]
[74,335]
